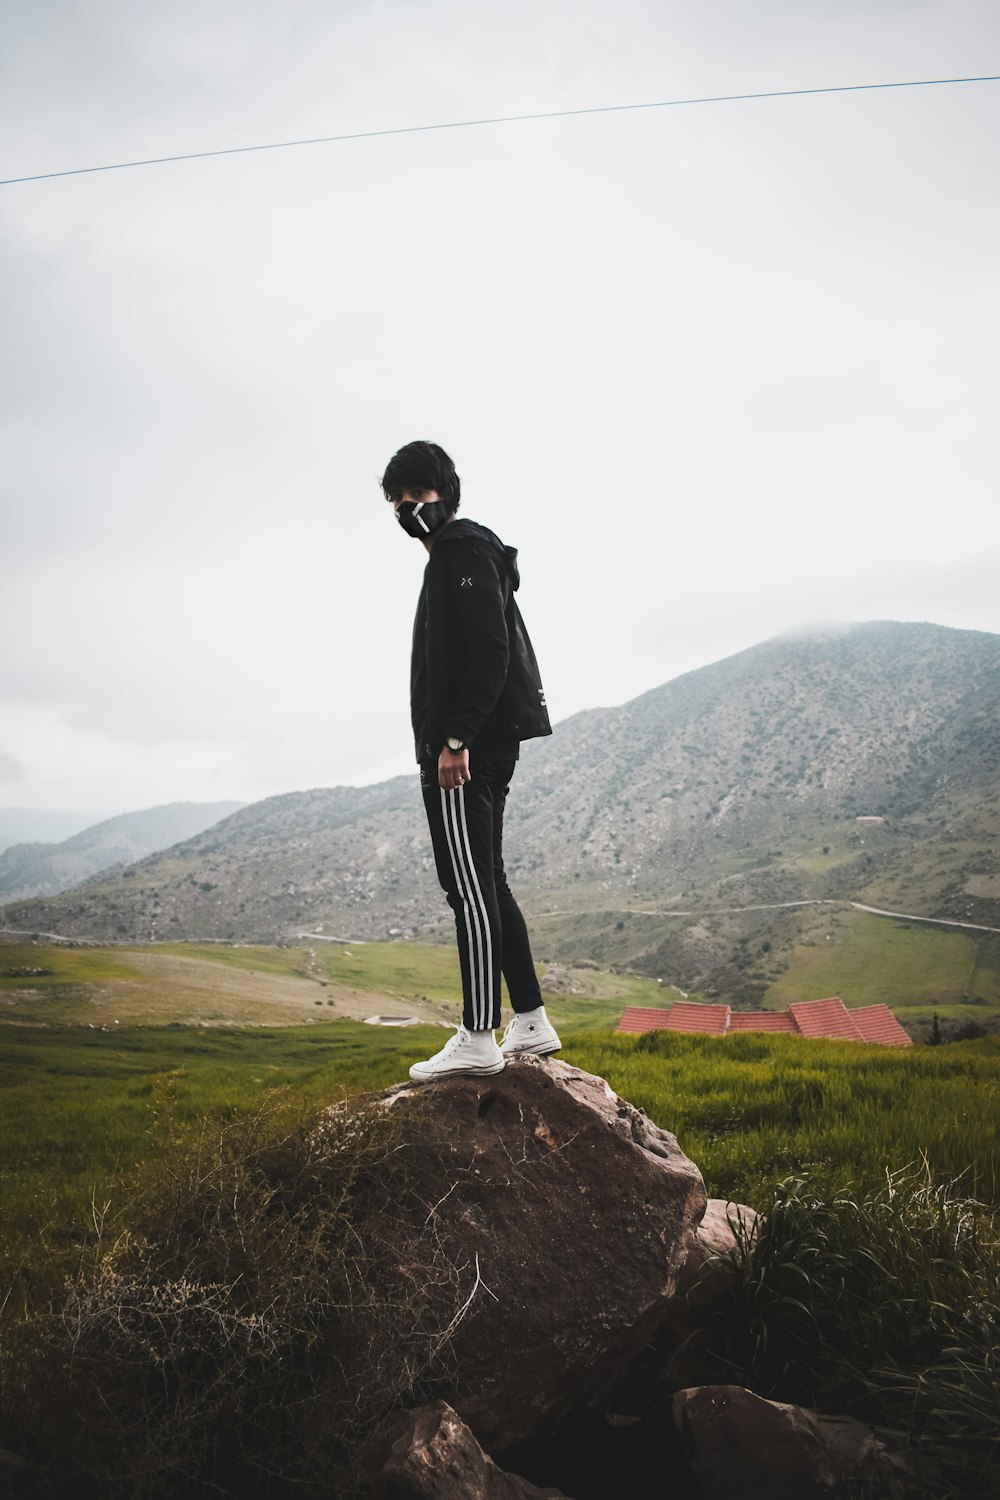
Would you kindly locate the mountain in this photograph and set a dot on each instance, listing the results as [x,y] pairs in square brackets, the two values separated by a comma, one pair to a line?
[734,786]
[43,869]
[28,825]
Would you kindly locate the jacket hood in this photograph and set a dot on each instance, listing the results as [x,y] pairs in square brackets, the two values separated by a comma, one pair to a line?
[471,530]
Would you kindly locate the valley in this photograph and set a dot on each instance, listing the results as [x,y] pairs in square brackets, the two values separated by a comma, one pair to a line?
[711,835]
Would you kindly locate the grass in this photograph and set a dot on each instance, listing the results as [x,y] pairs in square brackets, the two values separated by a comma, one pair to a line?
[752,1109]
[83,1112]
[273,1293]
[877,960]
[221,985]
[253,958]
[78,1108]
[884,1304]
[70,967]
[398,969]
[75,1100]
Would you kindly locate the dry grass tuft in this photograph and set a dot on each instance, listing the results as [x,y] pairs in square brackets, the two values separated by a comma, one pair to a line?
[884,1304]
[251,1332]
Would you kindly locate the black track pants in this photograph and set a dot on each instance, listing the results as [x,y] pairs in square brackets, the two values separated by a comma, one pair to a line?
[467,833]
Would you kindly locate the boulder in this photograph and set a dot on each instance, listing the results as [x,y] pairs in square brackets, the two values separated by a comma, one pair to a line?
[437,1458]
[703,1279]
[567,1214]
[739,1444]
[695,1325]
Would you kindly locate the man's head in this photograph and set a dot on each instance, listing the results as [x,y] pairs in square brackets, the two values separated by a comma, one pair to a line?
[422,467]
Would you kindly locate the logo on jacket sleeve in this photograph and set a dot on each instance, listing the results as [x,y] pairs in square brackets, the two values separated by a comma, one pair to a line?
[466,583]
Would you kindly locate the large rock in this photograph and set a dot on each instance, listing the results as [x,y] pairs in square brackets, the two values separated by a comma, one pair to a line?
[437,1458]
[695,1326]
[721,1236]
[569,1214]
[739,1444]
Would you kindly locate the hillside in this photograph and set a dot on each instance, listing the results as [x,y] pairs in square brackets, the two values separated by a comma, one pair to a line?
[44,869]
[734,786]
[32,825]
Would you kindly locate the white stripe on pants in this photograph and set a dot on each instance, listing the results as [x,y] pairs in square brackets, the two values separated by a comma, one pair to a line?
[477,922]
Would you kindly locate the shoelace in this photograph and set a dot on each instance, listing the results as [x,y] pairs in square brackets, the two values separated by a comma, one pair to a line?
[460,1036]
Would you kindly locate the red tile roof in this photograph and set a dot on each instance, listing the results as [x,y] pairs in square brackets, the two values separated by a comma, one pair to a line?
[687,1015]
[810,1018]
[878,1024]
[644,1018]
[829,1018]
[762,1020]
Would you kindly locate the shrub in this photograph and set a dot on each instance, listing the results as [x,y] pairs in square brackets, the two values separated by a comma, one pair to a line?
[267,1310]
[885,1305]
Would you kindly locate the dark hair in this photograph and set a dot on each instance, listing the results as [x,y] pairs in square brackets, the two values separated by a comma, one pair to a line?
[423,466]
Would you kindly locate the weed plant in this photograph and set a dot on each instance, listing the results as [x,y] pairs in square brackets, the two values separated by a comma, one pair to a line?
[753,1110]
[884,1304]
[237,1302]
[250,1319]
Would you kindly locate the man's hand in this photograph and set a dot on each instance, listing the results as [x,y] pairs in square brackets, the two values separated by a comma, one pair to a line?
[453,770]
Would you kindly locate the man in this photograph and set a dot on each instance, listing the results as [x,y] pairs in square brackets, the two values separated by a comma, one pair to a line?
[475,694]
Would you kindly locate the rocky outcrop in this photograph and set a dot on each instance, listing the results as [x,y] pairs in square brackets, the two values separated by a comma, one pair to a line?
[689,1333]
[725,1230]
[437,1458]
[739,1444]
[568,1214]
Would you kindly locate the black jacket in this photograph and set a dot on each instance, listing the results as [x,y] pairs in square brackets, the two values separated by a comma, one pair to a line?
[473,673]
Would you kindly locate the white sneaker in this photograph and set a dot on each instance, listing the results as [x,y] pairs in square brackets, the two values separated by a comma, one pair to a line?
[531,1031]
[466,1052]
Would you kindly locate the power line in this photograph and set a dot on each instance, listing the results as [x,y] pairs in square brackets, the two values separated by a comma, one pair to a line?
[551,114]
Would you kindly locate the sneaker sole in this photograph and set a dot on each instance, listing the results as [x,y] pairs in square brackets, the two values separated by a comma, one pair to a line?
[540,1051]
[458,1073]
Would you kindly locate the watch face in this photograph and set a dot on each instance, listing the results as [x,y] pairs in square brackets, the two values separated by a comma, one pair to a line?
[456,745]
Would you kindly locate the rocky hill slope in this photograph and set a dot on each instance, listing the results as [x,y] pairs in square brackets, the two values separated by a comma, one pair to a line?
[44,869]
[33,825]
[737,785]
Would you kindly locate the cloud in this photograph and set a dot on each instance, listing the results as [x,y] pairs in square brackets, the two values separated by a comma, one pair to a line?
[10,768]
[63,767]
[713,370]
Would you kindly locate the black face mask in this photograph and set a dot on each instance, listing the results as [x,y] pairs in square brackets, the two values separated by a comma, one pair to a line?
[420,520]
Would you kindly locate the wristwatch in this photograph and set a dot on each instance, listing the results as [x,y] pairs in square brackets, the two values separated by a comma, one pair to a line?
[455,746]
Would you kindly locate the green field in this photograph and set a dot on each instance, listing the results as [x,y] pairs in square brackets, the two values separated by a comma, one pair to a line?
[83,1091]
[751,1110]
[216,984]
[69,967]
[90,1112]
[896,963]
[80,1110]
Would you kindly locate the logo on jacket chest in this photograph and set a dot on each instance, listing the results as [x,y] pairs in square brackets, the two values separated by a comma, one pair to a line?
[466,583]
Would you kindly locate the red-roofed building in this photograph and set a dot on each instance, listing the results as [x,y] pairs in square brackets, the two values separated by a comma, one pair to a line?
[810,1018]
[878,1024]
[829,1018]
[762,1020]
[687,1015]
[640,1018]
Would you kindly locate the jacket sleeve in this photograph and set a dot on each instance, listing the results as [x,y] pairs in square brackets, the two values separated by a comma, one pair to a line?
[467,645]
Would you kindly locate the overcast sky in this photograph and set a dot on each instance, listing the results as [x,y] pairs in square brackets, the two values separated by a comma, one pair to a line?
[718,371]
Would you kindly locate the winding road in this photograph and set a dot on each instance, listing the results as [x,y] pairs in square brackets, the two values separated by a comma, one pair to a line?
[631,911]
[720,911]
